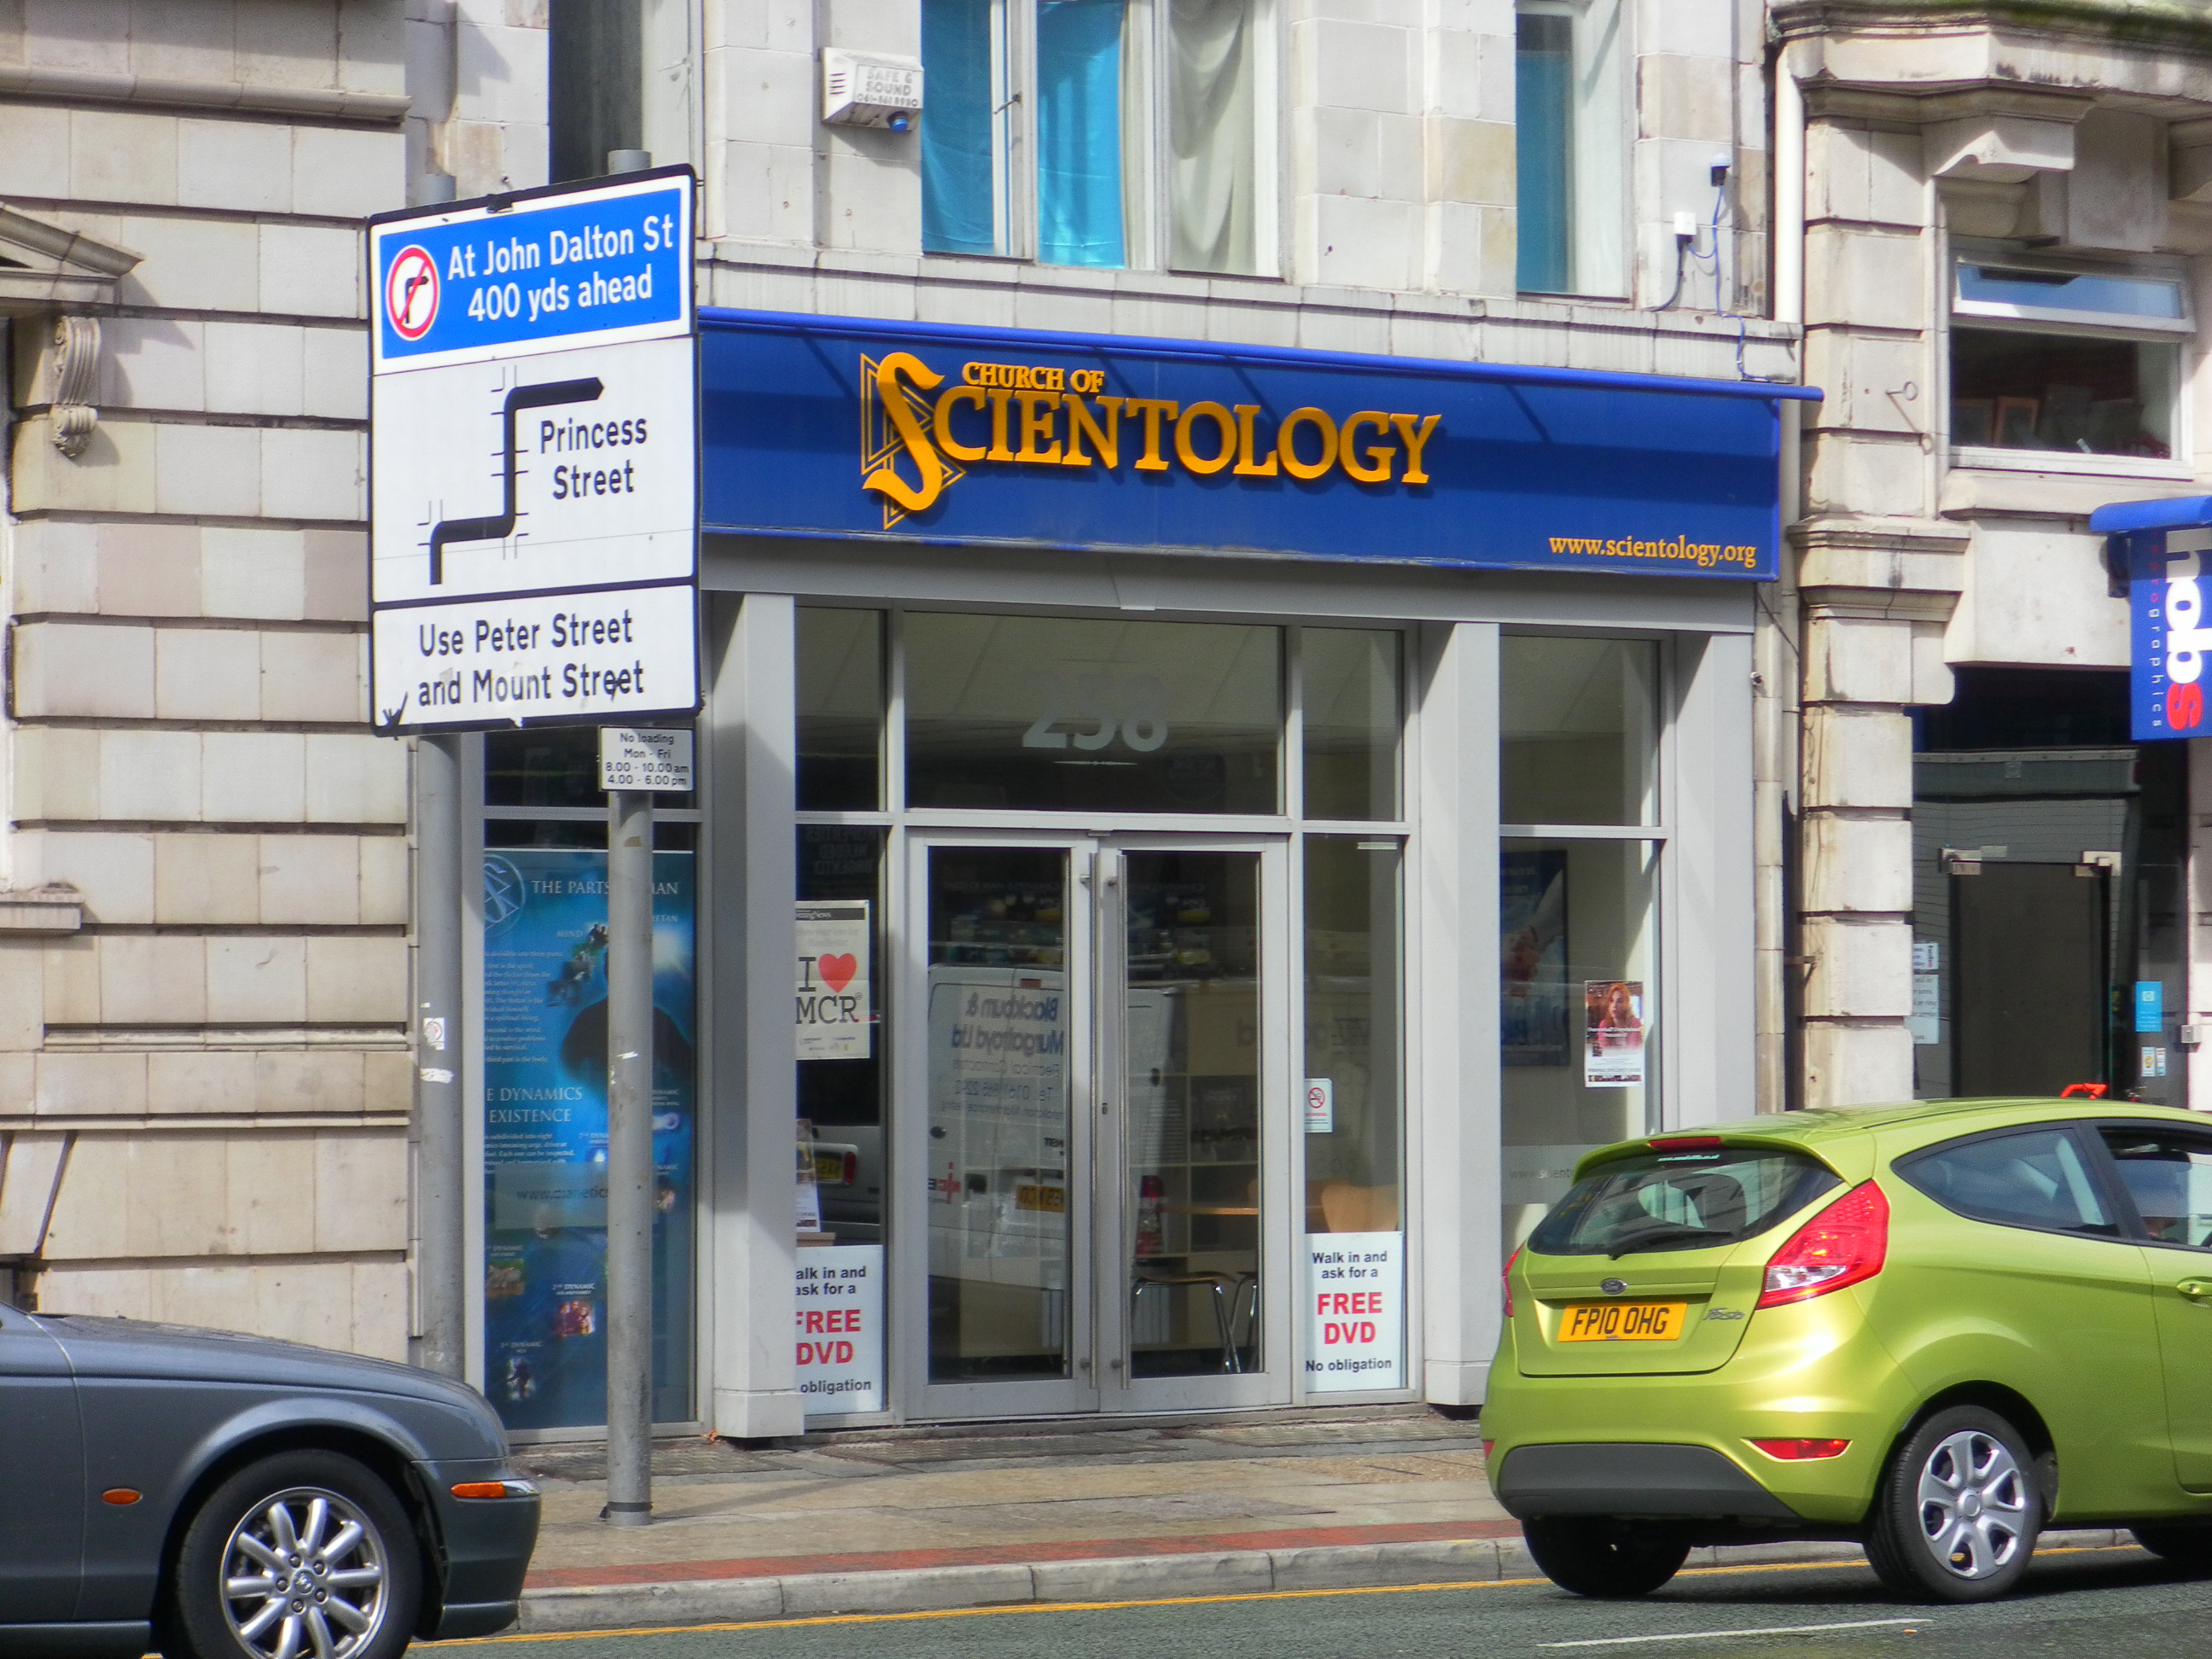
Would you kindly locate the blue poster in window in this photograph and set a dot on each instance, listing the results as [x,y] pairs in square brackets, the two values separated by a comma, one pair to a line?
[2150,1004]
[545,1135]
[1532,909]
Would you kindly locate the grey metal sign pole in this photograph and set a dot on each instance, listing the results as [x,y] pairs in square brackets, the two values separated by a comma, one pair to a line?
[441,1275]
[629,1158]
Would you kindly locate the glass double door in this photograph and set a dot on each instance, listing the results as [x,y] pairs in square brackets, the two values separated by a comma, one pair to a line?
[1102,1073]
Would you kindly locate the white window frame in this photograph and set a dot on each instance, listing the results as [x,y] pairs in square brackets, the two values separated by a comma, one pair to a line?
[1148,231]
[1593,236]
[1997,317]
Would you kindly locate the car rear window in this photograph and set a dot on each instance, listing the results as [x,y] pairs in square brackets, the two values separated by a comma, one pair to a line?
[1680,1200]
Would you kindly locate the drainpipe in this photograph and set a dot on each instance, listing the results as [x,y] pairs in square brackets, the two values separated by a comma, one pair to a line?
[1777,705]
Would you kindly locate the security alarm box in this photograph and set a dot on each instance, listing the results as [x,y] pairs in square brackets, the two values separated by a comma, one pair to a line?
[870,89]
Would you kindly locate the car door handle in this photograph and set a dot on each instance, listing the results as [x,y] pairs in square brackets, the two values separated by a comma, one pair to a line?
[2196,1290]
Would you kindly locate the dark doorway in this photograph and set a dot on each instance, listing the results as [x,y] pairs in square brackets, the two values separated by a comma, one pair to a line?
[2028,978]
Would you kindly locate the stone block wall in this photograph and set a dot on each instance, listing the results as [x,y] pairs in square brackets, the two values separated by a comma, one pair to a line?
[203,1089]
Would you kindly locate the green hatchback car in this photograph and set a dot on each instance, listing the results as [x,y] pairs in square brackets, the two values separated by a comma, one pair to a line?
[1935,1328]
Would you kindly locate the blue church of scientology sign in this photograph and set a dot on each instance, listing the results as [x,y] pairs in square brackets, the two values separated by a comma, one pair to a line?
[855,430]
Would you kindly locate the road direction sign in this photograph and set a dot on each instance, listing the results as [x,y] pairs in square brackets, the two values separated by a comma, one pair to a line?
[541,269]
[534,459]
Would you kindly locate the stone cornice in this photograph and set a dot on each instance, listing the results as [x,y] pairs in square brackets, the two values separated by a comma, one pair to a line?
[49,269]
[1893,535]
[1890,568]
[2163,23]
[62,86]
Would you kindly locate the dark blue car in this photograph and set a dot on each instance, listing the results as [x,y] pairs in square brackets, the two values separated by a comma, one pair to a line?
[223,1496]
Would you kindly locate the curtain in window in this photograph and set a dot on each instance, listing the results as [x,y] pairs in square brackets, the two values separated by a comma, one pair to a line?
[956,195]
[1543,90]
[1213,183]
[1078,127]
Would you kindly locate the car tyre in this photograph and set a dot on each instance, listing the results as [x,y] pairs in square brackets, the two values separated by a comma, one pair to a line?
[1594,1556]
[2187,1547]
[1956,1516]
[305,1553]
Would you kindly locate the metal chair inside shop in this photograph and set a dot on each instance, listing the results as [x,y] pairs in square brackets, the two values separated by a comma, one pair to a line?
[1148,1278]
[1245,1303]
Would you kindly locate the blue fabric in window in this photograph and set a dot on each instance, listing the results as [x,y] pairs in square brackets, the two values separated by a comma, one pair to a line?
[1079,125]
[957,204]
[1543,120]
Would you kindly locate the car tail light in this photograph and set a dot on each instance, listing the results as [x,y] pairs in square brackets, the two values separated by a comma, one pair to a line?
[1487,1447]
[1793,1451]
[1688,1143]
[1846,1242]
[1505,1280]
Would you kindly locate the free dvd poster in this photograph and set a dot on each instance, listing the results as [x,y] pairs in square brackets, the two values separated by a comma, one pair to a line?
[1612,1033]
[545,1134]
[1532,908]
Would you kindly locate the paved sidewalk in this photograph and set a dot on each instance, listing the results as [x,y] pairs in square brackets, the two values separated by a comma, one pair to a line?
[887,1521]
[876,1506]
[1003,1492]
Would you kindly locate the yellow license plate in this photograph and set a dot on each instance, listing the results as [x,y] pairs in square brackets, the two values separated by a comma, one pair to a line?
[1623,1322]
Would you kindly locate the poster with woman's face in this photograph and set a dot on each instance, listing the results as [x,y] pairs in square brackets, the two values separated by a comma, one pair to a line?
[1532,908]
[1612,1033]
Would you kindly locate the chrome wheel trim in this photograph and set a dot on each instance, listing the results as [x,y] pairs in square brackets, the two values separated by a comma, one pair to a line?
[305,1573]
[1973,1504]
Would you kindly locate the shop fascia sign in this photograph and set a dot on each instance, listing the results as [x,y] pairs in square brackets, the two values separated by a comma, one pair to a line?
[534,457]
[979,435]
[2163,550]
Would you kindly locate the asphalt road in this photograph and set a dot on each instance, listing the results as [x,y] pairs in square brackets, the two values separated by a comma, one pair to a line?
[2085,1603]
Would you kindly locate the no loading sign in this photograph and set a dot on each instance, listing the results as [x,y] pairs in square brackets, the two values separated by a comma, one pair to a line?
[410,294]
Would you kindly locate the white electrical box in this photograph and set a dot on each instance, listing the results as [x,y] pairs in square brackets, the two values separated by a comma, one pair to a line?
[870,89]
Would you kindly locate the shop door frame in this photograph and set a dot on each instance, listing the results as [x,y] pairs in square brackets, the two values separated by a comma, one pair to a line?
[1098,1381]
[1112,1226]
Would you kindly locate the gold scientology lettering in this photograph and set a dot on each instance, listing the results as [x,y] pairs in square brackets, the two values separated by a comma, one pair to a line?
[922,430]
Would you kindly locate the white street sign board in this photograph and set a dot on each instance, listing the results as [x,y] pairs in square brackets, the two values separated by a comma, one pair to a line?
[534,459]
[633,758]
[571,469]
[580,658]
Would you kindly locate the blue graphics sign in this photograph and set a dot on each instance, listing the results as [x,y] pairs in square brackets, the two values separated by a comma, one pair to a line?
[2169,638]
[830,427]
[2162,546]
[545,1135]
[538,269]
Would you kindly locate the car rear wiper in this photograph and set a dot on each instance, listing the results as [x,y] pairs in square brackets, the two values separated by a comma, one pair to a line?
[1668,1234]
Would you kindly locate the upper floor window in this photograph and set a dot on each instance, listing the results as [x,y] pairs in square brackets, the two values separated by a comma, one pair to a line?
[620,79]
[2065,361]
[1106,133]
[1570,114]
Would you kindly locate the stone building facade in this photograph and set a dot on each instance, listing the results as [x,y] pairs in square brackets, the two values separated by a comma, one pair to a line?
[204,1053]
[205,936]
[1969,176]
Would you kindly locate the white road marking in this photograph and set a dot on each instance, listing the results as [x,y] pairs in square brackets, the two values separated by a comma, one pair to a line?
[1708,1635]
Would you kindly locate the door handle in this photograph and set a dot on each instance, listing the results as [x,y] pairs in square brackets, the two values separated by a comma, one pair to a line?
[2196,1290]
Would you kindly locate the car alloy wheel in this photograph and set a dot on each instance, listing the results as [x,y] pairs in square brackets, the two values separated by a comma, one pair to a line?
[1957,1513]
[304,1554]
[1973,1503]
[305,1572]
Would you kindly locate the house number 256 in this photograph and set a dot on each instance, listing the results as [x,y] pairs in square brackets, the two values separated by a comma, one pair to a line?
[1101,708]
